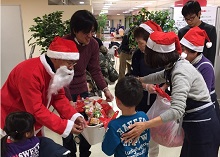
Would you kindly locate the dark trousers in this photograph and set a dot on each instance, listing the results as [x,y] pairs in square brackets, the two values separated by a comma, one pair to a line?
[69,142]
[202,139]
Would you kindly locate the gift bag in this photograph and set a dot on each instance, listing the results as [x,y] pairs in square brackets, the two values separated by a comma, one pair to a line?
[97,110]
[169,134]
[94,134]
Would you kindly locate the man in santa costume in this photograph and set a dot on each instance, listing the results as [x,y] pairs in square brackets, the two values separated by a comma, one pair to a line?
[36,84]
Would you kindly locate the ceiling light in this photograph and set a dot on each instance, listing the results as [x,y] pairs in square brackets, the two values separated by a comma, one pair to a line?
[81,2]
[140,6]
[134,8]
[106,6]
[108,3]
[147,3]
[118,14]
[104,11]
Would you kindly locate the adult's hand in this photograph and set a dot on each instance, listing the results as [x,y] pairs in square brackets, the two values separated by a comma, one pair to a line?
[109,96]
[137,128]
[81,122]
[151,88]
[77,129]
[135,131]
[79,125]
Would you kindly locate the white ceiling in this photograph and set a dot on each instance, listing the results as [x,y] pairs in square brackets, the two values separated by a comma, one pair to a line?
[119,6]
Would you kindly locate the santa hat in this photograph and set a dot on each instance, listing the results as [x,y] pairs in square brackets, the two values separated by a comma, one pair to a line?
[150,26]
[162,42]
[63,49]
[194,39]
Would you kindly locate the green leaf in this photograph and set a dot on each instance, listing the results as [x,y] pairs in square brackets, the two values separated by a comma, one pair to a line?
[46,28]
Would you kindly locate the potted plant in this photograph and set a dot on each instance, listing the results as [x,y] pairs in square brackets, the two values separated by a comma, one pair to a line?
[46,28]
[101,20]
[162,18]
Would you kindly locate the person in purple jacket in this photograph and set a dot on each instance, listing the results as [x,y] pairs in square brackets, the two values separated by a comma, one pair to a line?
[20,139]
[193,42]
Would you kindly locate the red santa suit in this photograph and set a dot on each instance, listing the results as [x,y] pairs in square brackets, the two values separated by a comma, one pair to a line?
[26,89]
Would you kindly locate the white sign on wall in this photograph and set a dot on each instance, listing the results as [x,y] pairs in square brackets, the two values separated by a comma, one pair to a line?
[208,15]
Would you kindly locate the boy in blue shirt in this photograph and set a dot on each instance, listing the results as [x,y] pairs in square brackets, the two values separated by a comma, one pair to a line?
[128,93]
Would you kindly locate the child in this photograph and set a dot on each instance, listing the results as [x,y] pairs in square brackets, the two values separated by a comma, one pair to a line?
[128,93]
[190,98]
[20,139]
[193,42]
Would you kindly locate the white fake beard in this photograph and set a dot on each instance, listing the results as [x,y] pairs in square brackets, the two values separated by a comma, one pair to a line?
[62,78]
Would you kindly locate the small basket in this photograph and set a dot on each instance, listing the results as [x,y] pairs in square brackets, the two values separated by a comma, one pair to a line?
[94,134]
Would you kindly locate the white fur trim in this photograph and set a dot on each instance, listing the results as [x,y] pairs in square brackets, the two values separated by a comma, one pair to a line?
[63,55]
[183,55]
[189,45]
[209,44]
[75,116]
[146,27]
[70,124]
[2,132]
[160,48]
[51,73]
[46,65]
[68,129]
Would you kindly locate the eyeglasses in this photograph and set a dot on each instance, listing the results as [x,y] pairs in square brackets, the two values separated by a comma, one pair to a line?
[71,63]
[191,18]
[91,32]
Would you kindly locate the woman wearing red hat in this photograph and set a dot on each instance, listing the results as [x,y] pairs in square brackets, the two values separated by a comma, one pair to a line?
[140,69]
[190,102]
[193,42]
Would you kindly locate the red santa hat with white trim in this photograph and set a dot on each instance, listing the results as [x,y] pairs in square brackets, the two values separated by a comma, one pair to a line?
[194,39]
[63,49]
[162,42]
[150,26]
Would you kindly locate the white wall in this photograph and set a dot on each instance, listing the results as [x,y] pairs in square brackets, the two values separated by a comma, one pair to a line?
[12,43]
[116,19]
[34,8]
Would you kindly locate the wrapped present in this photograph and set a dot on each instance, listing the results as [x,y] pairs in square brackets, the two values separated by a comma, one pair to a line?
[99,114]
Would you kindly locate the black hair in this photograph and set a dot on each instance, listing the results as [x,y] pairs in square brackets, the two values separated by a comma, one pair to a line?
[140,32]
[191,7]
[83,20]
[16,125]
[129,91]
[157,60]
[192,51]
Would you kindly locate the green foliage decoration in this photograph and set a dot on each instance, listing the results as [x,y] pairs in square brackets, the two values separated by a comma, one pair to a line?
[101,20]
[46,28]
[162,18]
